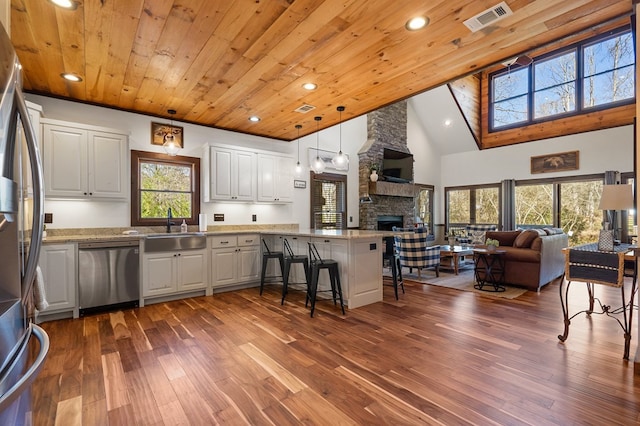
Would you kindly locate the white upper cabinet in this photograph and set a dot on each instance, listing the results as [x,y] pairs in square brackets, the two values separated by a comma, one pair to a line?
[232,175]
[275,178]
[84,161]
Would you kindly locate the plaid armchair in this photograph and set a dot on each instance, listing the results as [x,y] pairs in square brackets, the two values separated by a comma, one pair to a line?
[414,253]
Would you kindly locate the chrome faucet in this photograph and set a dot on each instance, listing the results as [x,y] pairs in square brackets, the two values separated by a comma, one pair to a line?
[169,222]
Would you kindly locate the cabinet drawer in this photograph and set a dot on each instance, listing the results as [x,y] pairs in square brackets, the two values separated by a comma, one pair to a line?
[224,241]
[248,240]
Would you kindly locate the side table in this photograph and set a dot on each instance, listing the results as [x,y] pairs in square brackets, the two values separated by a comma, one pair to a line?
[489,269]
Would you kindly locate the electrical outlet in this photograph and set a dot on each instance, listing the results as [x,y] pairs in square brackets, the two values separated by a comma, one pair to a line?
[218,217]
[254,217]
[48,218]
[350,218]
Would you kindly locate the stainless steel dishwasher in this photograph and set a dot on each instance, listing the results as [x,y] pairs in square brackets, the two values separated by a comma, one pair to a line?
[108,275]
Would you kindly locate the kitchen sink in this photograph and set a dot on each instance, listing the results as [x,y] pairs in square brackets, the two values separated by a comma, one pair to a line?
[178,241]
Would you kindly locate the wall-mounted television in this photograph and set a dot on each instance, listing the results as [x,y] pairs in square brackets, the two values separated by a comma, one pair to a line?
[397,166]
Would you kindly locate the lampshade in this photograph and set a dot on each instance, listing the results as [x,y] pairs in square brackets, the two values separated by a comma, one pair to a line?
[616,197]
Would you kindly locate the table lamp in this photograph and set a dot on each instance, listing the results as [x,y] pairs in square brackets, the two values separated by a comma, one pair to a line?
[614,198]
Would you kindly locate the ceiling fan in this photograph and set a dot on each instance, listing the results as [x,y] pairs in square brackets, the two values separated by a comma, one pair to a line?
[522,60]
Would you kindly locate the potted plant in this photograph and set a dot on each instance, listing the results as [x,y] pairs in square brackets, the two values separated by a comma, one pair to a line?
[451,237]
[492,244]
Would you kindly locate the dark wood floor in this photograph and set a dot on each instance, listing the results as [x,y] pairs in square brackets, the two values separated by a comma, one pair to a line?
[436,356]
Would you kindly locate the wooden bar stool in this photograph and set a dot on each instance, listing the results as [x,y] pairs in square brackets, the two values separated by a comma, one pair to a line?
[266,255]
[331,265]
[289,258]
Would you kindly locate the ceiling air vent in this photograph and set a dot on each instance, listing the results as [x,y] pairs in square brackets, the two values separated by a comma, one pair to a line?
[488,17]
[305,108]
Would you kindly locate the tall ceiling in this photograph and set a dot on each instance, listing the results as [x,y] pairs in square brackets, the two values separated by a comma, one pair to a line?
[217,62]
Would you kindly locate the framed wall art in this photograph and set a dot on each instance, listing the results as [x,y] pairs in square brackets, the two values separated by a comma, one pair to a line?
[559,162]
[159,132]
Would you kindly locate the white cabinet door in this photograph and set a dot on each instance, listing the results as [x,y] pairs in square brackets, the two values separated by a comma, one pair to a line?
[159,274]
[84,162]
[192,270]
[244,176]
[220,173]
[65,161]
[223,266]
[266,178]
[107,156]
[58,265]
[249,263]
[285,167]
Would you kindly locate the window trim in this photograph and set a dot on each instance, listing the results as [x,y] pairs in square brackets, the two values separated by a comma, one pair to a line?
[144,156]
[579,109]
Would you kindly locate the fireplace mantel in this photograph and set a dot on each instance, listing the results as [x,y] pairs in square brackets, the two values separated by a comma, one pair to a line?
[393,189]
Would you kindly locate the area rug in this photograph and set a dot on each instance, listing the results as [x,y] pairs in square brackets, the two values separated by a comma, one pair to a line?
[464,281]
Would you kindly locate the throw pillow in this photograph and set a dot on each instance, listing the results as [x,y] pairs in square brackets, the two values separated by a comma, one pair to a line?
[525,238]
[478,237]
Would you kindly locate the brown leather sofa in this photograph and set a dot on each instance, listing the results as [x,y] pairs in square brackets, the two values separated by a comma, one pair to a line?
[534,257]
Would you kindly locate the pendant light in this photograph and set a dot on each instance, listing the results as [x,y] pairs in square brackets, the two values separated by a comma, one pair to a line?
[317,165]
[340,161]
[170,145]
[298,165]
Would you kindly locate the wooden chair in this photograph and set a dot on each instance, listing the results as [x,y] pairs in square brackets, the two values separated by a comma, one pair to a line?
[588,265]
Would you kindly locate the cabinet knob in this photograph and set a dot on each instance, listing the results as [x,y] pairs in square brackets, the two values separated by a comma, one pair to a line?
[85,193]
[91,193]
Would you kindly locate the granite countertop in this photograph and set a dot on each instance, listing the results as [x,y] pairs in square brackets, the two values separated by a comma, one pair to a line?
[80,235]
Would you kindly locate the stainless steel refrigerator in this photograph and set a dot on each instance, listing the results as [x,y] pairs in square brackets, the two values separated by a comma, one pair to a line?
[21,224]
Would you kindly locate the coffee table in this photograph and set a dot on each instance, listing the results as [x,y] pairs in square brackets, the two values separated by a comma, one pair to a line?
[451,256]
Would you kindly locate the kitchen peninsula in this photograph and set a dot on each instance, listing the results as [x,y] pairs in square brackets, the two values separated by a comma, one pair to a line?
[230,260]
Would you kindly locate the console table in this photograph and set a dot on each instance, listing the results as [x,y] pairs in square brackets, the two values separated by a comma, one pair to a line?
[586,264]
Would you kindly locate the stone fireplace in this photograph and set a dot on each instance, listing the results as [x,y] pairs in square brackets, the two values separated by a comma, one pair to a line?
[386,128]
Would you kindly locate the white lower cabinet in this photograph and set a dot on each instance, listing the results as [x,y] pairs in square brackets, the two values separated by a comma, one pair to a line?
[58,265]
[174,272]
[235,259]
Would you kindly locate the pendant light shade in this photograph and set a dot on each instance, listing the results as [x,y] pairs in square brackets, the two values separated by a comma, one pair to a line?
[298,165]
[317,165]
[340,161]
[170,145]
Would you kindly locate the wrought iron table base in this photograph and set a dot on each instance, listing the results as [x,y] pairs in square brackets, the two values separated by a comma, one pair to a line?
[491,264]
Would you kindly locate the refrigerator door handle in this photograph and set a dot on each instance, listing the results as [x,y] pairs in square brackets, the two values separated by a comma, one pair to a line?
[38,197]
[30,375]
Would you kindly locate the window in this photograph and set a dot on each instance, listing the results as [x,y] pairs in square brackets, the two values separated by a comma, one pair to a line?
[328,201]
[570,203]
[160,182]
[595,73]
[424,206]
[473,205]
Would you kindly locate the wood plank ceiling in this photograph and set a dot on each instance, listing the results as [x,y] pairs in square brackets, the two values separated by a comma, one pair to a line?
[218,62]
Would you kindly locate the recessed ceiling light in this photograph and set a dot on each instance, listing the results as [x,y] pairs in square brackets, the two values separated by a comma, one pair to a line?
[66,4]
[417,23]
[310,86]
[254,118]
[71,77]
[448,122]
